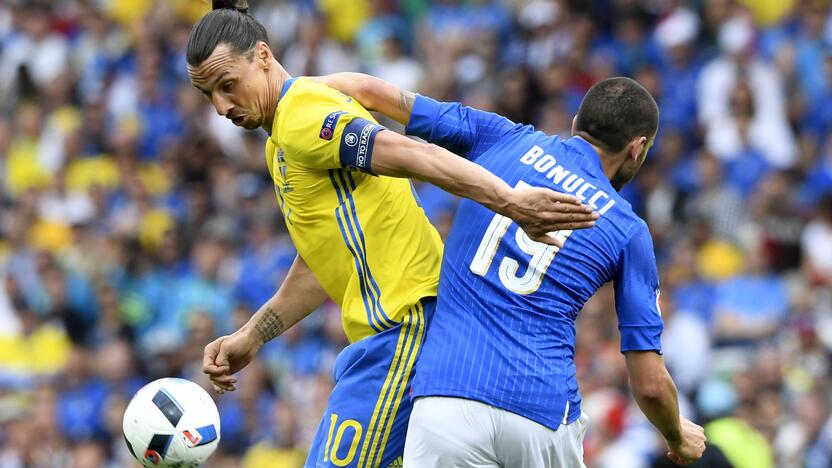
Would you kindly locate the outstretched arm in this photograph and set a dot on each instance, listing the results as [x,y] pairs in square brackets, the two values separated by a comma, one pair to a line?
[374,94]
[298,296]
[463,130]
[537,211]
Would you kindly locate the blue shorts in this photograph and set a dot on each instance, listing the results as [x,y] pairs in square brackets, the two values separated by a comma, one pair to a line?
[366,418]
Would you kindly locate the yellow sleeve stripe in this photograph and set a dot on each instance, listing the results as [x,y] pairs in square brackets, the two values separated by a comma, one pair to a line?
[353,236]
[387,406]
[404,337]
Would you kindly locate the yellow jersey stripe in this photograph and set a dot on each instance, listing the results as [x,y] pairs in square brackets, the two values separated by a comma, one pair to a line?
[386,389]
[401,379]
[362,248]
[381,421]
[342,216]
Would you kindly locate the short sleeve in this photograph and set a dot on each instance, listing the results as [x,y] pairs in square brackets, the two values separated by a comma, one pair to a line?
[327,137]
[637,295]
[460,129]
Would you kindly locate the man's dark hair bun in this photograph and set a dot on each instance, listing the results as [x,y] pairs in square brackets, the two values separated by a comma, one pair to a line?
[238,5]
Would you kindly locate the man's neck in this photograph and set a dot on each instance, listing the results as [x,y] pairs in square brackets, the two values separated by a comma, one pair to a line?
[281,76]
[610,165]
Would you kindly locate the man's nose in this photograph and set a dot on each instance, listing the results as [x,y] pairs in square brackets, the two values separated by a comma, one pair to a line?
[222,106]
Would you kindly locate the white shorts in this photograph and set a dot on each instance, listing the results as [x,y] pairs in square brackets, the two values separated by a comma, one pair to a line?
[449,432]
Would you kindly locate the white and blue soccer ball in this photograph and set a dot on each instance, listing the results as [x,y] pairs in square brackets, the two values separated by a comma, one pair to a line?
[171,423]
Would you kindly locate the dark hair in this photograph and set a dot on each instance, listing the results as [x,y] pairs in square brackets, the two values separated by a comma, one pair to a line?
[230,24]
[616,110]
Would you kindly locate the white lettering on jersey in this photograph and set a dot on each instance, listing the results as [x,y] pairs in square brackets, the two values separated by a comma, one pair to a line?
[531,156]
[569,182]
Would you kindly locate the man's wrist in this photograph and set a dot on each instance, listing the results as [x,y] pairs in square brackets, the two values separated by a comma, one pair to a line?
[267,325]
[673,438]
[504,200]
[252,335]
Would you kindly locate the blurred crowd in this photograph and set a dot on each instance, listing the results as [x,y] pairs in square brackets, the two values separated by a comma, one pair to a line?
[136,225]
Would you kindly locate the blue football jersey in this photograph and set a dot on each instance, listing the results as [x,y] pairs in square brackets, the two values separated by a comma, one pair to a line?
[504,327]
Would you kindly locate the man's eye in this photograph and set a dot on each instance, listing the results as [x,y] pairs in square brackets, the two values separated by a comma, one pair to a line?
[227,86]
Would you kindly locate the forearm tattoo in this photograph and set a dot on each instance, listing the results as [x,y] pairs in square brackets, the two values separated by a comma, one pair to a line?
[270,325]
[406,100]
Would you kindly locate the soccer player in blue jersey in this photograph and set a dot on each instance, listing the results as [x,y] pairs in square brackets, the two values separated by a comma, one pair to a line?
[495,385]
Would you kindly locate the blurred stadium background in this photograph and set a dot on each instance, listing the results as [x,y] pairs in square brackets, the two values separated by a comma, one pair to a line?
[136,225]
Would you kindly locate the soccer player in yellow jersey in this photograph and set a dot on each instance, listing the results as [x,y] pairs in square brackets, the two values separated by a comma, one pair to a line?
[361,237]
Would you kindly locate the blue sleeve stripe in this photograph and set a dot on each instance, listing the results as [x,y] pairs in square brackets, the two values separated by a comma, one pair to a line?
[376,317]
[363,246]
[371,318]
[357,144]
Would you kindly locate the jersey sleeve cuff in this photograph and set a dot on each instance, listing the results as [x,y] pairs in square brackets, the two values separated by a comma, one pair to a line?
[424,115]
[641,338]
[357,144]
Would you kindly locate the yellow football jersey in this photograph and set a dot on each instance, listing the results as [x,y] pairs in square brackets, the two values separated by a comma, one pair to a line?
[365,238]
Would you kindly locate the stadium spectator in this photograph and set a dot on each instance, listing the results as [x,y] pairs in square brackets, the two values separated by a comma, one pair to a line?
[751,306]
[742,105]
[816,242]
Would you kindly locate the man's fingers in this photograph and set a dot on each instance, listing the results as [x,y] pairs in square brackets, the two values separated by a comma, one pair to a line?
[221,389]
[563,207]
[222,356]
[563,197]
[209,359]
[224,379]
[559,225]
[224,385]
[677,459]
[575,226]
[547,239]
[213,369]
[553,221]
[571,216]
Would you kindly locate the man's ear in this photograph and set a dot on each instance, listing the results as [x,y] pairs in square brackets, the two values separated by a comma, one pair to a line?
[574,125]
[637,147]
[263,55]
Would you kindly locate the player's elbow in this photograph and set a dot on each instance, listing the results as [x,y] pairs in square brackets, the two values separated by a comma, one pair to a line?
[648,391]
[651,385]
[379,95]
[364,90]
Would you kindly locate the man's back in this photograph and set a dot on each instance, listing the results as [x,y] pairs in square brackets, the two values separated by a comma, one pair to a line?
[506,309]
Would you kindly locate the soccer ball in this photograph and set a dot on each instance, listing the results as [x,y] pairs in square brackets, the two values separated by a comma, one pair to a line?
[171,423]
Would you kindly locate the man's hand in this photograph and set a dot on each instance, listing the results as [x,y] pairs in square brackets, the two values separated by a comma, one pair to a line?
[690,446]
[539,211]
[227,355]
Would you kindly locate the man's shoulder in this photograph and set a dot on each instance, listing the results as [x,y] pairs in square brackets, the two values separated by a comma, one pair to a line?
[309,108]
[309,94]
[626,227]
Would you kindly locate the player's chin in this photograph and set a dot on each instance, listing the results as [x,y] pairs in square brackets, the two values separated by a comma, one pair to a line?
[250,124]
